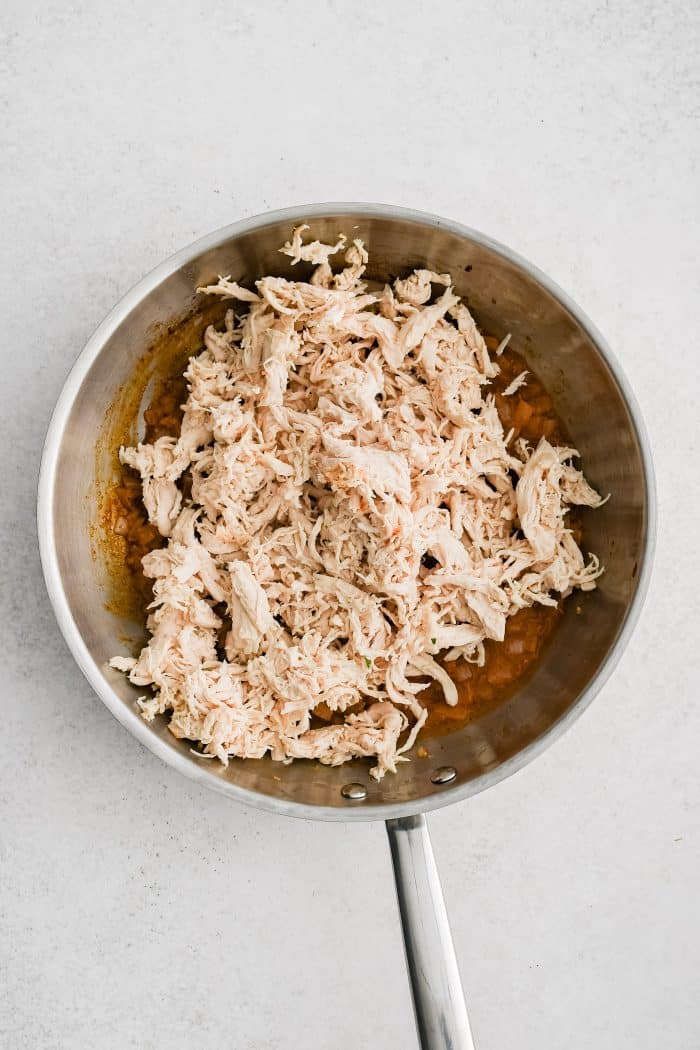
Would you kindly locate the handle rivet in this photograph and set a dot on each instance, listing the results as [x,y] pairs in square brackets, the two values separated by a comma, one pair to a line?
[444,775]
[354,792]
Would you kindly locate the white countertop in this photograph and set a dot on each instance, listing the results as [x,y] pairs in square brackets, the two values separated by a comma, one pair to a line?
[139,911]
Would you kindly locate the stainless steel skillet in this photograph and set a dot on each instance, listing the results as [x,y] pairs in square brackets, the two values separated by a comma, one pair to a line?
[507,294]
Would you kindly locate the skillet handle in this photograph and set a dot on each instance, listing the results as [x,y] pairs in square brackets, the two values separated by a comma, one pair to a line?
[438,997]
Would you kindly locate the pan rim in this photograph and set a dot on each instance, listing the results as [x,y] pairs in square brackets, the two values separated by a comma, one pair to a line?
[129,718]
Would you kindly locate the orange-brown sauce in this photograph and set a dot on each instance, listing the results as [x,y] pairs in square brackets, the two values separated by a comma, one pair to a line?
[507,665]
[529,413]
[123,510]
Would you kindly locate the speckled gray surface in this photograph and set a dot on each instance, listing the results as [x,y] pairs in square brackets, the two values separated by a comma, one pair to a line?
[140,912]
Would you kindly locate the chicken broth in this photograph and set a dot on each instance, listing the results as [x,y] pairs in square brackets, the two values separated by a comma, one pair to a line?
[529,412]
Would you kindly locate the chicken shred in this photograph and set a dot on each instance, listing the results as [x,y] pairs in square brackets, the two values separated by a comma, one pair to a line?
[512,388]
[355,511]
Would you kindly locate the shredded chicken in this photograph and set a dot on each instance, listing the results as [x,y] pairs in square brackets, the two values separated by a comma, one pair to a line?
[512,388]
[355,511]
